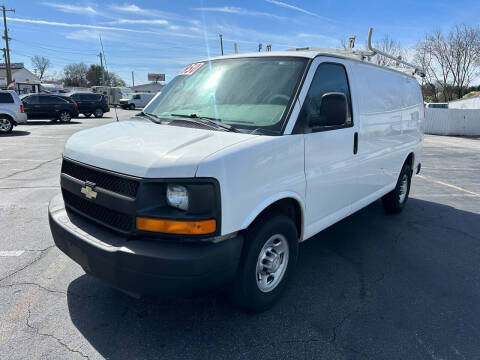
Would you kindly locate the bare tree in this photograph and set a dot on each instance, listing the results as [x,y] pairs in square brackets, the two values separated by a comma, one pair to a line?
[40,65]
[464,56]
[75,75]
[391,47]
[452,61]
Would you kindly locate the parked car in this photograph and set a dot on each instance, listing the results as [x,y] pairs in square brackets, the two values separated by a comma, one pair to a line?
[436,105]
[11,111]
[239,160]
[112,94]
[136,100]
[47,106]
[90,103]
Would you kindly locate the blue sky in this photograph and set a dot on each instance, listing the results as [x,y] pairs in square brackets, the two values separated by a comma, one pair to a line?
[163,36]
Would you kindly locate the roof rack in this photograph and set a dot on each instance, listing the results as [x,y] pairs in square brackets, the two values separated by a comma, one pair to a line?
[417,70]
[364,55]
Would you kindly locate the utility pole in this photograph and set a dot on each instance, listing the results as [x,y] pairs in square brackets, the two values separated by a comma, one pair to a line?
[260,47]
[7,49]
[133,79]
[221,42]
[235,48]
[101,64]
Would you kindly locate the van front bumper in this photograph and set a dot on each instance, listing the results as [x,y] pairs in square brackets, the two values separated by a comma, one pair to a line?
[144,266]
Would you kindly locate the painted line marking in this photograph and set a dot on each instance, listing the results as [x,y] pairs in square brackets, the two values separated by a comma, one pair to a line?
[449,185]
[11,253]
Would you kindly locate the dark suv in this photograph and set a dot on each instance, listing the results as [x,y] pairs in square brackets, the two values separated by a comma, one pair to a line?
[47,106]
[89,103]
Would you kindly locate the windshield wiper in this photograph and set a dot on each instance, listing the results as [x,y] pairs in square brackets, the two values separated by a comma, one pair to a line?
[151,117]
[214,122]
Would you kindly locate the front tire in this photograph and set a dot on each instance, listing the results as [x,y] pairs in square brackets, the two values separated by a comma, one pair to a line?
[98,113]
[395,201]
[132,107]
[6,125]
[267,263]
[65,117]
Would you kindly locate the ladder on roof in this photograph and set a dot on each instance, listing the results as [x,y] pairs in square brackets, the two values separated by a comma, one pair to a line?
[372,52]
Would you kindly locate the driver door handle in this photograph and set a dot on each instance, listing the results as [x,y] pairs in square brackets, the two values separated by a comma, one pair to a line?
[355,143]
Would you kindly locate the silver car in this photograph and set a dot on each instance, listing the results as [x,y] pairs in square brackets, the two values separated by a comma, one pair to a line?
[11,111]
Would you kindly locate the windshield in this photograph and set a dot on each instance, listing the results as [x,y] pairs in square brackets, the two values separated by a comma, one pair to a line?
[249,93]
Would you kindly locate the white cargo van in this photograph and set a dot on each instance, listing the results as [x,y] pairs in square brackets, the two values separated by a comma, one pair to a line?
[235,163]
[136,100]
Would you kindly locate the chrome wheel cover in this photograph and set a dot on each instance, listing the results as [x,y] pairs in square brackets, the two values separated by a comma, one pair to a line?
[272,263]
[5,125]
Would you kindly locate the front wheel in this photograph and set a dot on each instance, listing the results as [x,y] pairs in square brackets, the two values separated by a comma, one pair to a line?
[98,113]
[64,117]
[268,259]
[395,200]
[132,107]
[6,125]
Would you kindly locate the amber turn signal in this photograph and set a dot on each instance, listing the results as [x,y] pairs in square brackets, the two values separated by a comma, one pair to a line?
[200,227]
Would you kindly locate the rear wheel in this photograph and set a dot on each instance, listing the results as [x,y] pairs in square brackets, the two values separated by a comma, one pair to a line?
[132,107]
[98,113]
[395,201]
[64,117]
[268,260]
[6,125]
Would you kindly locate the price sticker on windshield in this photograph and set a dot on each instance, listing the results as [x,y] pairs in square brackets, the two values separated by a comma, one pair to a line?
[190,69]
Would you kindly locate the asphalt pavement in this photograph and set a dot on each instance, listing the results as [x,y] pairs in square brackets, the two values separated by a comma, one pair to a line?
[373,286]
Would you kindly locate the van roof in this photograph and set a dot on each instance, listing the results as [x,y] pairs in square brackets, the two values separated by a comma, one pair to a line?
[312,52]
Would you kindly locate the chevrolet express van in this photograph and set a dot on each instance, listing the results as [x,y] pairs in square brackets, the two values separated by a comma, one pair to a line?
[239,160]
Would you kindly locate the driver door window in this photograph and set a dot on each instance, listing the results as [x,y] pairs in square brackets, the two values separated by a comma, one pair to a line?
[329,78]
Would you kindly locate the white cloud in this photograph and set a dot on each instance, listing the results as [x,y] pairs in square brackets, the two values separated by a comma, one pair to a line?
[127,8]
[73,8]
[141,21]
[288,6]
[238,11]
[86,26]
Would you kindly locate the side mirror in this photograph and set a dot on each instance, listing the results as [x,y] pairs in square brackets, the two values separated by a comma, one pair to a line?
[333,111]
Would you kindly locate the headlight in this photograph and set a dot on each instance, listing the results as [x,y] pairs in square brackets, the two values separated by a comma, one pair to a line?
[177,196]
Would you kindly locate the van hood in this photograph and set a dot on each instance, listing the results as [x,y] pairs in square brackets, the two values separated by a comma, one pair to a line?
[145,149]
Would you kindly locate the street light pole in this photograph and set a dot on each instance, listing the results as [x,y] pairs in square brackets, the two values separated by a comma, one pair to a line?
[221,42]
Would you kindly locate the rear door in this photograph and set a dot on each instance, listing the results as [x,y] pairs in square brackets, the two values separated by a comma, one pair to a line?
[329,151]
[31,106]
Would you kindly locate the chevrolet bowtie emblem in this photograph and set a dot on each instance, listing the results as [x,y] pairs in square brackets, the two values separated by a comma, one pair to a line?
[88,191]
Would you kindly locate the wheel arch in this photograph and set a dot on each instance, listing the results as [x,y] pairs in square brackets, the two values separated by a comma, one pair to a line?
[410,159]
[289,204]
[12,119]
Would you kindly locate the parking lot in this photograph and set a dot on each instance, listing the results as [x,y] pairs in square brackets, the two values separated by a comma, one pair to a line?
[372,286]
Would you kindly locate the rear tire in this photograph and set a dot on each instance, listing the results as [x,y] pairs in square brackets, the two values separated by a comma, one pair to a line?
[268,260]
[132,107]
[395,201]
[98,113]
[64,117]
[6,125]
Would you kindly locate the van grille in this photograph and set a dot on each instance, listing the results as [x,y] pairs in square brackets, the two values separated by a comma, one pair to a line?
[117,184]
[99,213]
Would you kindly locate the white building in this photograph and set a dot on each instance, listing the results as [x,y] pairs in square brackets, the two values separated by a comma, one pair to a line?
[472,102]
[25,80]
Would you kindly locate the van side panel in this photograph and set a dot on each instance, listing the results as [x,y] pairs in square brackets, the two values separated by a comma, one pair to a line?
[390,115]
[255,174]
